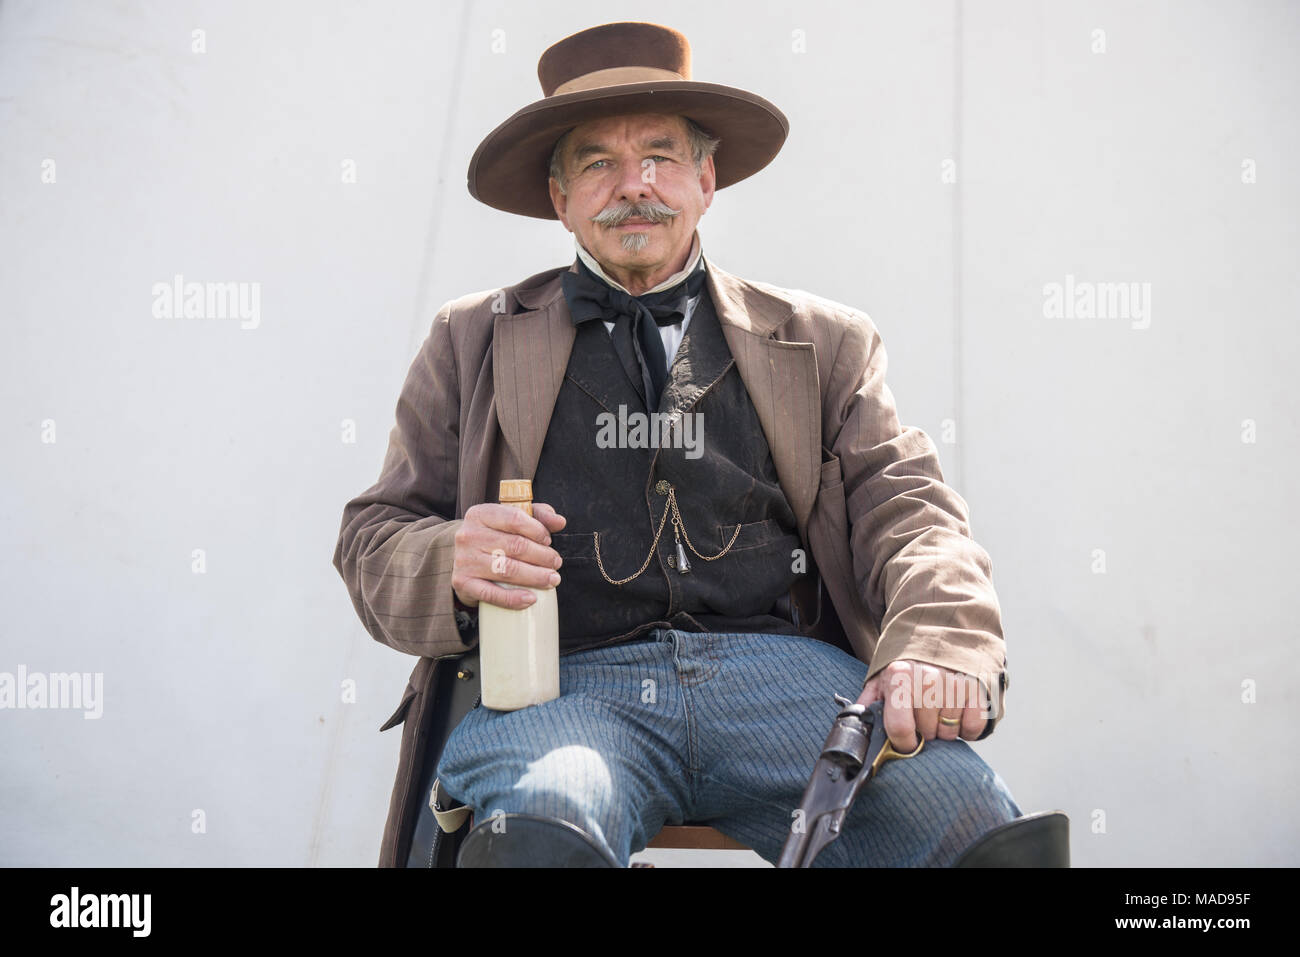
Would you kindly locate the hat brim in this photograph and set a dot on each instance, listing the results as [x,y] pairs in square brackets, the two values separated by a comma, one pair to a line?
[510,168]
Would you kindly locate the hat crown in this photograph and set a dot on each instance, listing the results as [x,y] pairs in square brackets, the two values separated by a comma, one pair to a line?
[622,49]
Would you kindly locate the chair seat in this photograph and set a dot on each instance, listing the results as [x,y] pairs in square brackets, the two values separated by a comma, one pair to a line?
[696,837]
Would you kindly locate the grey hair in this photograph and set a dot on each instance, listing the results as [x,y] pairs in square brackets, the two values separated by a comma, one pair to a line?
[701,143]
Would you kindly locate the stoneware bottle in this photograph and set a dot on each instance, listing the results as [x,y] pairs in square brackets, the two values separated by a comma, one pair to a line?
[519,650]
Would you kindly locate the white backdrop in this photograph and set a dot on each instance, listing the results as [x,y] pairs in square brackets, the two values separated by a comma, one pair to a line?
[173,487]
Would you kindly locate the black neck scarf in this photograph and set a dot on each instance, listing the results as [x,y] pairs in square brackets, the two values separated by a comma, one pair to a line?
[636,321]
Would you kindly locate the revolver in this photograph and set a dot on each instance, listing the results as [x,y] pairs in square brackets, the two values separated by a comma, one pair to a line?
[854,751]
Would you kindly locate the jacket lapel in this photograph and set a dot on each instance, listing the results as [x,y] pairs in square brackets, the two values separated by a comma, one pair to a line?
[781,378]
[530,351]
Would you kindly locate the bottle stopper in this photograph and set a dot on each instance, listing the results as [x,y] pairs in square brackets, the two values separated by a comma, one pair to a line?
[519,493]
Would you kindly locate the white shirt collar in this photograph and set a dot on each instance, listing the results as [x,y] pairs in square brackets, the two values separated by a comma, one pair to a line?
[696,252]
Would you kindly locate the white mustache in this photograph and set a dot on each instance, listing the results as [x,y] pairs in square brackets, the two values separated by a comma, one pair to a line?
[649,210]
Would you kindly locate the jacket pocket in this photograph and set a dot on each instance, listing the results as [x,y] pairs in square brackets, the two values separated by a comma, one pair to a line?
[574,547]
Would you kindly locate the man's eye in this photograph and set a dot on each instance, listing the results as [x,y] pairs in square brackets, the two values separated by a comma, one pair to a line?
[657,158]
[594,165]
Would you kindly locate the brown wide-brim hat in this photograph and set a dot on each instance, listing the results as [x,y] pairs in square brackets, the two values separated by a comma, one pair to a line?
[610,70]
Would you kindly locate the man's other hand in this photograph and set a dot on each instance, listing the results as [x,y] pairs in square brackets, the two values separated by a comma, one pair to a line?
[917,694]
[500,543]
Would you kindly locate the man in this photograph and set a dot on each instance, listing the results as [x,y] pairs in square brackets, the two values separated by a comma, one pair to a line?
[713,593]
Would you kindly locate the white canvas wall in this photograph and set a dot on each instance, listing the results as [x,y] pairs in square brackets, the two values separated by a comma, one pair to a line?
[945,163]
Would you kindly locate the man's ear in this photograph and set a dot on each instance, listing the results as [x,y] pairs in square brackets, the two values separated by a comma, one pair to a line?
[708,181]
[560,202]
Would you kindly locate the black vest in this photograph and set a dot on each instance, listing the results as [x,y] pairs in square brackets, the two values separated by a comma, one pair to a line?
[722,475]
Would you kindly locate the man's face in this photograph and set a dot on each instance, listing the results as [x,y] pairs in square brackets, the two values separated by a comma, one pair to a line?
[635,175]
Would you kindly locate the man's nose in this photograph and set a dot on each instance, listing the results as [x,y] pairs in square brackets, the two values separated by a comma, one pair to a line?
[632,185]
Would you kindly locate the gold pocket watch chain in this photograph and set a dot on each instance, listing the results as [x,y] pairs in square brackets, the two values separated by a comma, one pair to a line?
[679,532]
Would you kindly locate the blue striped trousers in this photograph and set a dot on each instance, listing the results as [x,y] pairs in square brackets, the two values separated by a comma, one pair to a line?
[717,728]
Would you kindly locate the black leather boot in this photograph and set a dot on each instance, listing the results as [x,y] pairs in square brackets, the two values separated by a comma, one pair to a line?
[531,840]
[1035,840]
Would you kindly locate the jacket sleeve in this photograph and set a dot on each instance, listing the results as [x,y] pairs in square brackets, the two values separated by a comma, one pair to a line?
[925,580]
[396,546]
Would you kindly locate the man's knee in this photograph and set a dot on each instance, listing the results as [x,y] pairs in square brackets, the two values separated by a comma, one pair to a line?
[952,774]
[573,782]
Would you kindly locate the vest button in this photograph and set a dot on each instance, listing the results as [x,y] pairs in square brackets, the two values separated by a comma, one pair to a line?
[662,487]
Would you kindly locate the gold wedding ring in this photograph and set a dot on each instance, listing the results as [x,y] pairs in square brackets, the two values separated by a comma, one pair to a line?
[950,722]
